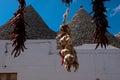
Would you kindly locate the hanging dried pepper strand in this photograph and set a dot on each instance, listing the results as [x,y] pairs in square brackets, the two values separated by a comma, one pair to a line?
[99,18]
[18,35]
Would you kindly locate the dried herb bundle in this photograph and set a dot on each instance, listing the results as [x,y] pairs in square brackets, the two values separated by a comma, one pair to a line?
[18,35]
[99,18]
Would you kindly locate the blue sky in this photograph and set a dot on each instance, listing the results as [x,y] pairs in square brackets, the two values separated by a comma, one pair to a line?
[52,11]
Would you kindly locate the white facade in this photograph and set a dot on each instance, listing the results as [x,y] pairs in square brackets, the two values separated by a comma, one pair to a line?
[41,62]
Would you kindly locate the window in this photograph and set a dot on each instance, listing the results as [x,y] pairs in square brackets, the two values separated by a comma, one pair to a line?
[8,76]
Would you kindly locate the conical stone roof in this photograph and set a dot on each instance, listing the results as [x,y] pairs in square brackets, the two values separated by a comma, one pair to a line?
[37,28]
[82,30]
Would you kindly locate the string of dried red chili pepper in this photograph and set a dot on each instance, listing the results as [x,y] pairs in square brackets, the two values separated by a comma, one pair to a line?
[18,35]
[99,18]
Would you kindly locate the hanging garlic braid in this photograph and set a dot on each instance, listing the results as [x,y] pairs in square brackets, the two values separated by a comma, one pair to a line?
[64,41]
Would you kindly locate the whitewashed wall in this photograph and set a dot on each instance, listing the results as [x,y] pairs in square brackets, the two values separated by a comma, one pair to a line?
[41,62]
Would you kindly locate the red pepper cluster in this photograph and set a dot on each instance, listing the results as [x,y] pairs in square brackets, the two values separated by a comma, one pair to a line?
[18,35]
[99,18]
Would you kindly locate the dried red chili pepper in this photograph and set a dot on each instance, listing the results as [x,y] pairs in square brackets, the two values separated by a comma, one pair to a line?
[99,18]
[18,35]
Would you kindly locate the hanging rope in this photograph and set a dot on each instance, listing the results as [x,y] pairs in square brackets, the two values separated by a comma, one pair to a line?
[18,35]
[99,18]
[67,51]
[65,16]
